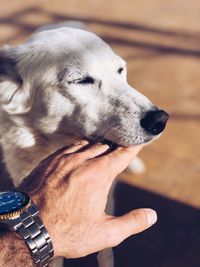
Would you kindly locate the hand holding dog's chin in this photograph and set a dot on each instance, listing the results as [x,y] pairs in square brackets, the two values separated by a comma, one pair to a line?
[74,184]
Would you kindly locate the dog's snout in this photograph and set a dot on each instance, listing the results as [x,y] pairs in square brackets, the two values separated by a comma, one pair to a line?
[154,122]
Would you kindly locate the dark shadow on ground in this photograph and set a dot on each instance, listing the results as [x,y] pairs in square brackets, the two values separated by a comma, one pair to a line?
[173,242]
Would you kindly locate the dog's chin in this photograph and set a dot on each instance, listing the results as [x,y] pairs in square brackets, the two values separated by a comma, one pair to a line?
[113,144]
[149,140]
[143,141]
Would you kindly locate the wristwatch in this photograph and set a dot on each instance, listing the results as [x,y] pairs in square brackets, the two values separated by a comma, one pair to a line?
[20,214]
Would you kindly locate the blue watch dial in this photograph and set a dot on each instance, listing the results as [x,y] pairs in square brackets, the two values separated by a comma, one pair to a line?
[12,201]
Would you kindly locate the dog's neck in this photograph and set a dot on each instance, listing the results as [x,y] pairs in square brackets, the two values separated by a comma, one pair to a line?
[24,147]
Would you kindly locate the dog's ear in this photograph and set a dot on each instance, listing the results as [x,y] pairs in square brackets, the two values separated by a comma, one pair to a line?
[12,97]
[8,70]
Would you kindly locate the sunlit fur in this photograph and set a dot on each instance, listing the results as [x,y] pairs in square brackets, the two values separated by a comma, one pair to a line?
[45,106]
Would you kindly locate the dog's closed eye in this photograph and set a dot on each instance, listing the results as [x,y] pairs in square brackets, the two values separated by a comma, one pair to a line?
[86,80]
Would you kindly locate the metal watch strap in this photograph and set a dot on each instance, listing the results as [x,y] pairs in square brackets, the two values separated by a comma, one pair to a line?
[31,228]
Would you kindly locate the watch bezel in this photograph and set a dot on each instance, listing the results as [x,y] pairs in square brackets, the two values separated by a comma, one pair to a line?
[17,213]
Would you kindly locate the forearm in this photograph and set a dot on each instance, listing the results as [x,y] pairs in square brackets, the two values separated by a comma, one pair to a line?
[14,251]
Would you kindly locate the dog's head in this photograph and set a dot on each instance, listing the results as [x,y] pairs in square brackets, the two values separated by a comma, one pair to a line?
[69,81]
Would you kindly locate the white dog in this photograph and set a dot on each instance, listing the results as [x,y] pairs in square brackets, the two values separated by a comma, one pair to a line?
[62,85]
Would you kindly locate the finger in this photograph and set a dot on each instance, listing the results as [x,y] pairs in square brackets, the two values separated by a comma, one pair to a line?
[129,224]
[67,162]
[94,151]
[118,160]
[67,150]
[63,152]
[78,146]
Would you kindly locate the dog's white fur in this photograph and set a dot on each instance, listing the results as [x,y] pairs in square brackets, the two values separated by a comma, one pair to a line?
[59,86]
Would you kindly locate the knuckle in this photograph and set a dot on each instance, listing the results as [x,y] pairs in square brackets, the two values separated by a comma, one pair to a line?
[76,157]
[94,164]
[62,162]
[139,218]
[58,175]
[69,157]
[63,158]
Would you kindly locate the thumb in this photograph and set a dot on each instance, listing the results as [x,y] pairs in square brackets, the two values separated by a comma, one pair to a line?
[129,224]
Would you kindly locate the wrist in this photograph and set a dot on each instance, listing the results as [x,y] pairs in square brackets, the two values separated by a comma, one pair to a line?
[47,218]
[55,233]
[13,250]
[26,222]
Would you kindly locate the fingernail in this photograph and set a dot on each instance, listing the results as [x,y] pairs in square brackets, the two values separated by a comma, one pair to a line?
[101,145]
[106,147]
[82,142]
[151,216]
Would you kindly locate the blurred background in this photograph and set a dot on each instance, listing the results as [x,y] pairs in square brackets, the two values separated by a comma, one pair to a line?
[160,40]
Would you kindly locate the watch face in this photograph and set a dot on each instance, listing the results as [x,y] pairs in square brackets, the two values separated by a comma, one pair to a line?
[12,201]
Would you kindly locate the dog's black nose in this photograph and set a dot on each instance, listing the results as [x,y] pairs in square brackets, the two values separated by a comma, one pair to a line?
[154,122]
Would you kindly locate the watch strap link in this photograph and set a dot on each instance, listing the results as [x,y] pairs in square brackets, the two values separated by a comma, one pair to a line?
[36,236]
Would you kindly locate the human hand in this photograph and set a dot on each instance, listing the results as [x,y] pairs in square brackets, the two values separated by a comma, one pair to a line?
[71,188]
